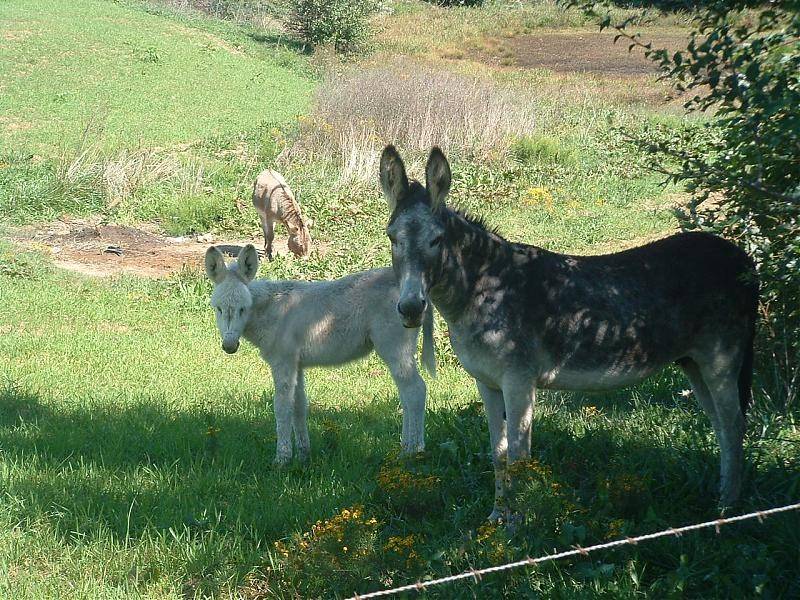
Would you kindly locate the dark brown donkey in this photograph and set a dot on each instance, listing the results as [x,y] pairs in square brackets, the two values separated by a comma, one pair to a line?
[523,318]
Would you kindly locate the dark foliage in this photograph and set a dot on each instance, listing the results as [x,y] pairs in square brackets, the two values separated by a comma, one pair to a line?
[742,165]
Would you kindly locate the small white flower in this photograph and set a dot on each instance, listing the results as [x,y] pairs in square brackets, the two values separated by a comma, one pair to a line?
[686,393]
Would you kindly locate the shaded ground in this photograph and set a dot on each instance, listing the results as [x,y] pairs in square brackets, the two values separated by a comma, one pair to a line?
[99,249]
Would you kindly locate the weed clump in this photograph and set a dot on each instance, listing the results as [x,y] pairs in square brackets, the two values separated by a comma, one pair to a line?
[407,489]
[342,546]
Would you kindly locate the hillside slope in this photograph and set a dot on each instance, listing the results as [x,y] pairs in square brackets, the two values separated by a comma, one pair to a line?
[143,78]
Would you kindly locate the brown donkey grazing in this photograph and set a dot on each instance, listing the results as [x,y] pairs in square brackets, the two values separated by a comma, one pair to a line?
[274,200]
[522,318]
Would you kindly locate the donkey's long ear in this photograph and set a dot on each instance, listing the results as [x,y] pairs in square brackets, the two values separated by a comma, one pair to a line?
[437,177]
[248,262]
[393,176]
[215,265]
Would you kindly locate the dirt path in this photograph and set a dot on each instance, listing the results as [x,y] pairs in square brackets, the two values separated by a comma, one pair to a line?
[91,247]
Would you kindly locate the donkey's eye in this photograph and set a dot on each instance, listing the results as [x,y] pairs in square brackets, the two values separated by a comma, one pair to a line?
[436,241]
[219,310]
[241,311]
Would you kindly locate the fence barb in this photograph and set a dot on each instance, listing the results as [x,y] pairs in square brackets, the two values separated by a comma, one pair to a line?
[476,574]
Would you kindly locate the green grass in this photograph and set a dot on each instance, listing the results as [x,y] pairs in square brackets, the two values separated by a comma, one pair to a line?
[143,78]
[135,456]
[135,461]
[90,87]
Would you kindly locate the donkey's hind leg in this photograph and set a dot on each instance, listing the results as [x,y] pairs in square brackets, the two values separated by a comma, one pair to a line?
[400,356]
[494,407]
[300,418]
[692,372]
[723,386]
[268,225]
[284,376]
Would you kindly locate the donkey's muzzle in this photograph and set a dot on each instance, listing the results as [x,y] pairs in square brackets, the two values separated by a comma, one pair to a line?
[230,346]
[411,309]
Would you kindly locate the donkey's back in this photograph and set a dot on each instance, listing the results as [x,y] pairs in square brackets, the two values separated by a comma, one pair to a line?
[326,322]
[271,193]
[612,319]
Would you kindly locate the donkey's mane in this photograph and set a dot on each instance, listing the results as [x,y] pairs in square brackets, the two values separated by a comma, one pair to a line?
[488,237]
[478,221]
[291,211]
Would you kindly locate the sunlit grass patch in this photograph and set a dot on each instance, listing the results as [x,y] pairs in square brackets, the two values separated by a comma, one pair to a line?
[147,79]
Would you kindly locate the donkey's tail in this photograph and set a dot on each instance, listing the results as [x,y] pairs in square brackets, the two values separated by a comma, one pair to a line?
[428,348]
[746,379]
[746,370]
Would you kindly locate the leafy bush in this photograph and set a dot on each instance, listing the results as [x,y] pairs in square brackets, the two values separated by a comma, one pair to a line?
[742,164]
[340,547]
[342,23]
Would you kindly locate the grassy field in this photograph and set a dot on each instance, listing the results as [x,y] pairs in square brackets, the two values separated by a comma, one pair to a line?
[136,457]
[143,77]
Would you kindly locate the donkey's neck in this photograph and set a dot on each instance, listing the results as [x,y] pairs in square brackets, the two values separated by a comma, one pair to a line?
[471,253]
[262,291]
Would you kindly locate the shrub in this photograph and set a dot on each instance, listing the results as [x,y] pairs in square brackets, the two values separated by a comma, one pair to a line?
[742,164]
[340,548]
[342,23]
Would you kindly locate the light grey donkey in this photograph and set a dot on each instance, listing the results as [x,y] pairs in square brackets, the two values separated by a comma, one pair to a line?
[274,200]
[301,324]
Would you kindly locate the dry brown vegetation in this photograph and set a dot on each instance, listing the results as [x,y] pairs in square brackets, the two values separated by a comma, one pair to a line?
[414,106]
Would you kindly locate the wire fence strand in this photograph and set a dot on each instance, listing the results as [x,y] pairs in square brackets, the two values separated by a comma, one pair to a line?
[476,574]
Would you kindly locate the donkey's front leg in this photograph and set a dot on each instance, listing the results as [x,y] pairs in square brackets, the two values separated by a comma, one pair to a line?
[411,389]
[494,406]
[284,376]
[520,395]
[400,357]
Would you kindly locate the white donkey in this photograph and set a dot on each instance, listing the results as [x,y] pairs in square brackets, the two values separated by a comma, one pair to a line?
[300,324]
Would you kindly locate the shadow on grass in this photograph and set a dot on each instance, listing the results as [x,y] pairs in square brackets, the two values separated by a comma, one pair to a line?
[147,471]
[280,41]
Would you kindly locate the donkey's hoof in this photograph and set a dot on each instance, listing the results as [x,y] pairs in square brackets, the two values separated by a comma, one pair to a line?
[281,461]
[497,516]
[513,521]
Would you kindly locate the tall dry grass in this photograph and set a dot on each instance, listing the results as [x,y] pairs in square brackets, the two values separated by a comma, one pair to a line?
[415,107]
[235,10]
[88,171]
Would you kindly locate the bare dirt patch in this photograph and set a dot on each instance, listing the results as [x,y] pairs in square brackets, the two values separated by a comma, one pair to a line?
[101,249]
[580,52]
[12,125]
[211,40]
[16,35]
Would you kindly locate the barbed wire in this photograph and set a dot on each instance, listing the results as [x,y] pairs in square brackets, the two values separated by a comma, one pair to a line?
[476,574]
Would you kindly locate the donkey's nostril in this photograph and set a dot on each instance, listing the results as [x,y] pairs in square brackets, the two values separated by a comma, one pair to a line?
[230,347]
[411,307]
